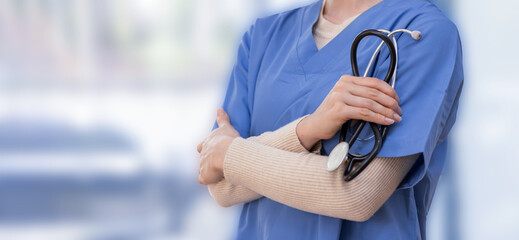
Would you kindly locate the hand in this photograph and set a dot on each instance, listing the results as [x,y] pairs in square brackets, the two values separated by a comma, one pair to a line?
[213,149]
[363,98]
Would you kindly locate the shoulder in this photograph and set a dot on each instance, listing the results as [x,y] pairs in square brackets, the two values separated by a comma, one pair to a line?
[427,16]
[438,31]
[289,16]
[284,23]
[276,29]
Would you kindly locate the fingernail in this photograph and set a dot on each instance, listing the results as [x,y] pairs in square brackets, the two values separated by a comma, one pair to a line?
[397,117]
[400,111]
[389,121]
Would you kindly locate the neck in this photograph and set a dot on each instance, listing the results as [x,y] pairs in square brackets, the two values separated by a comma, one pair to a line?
[336,11]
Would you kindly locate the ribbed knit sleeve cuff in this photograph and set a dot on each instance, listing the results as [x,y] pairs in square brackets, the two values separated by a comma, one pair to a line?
[286,138]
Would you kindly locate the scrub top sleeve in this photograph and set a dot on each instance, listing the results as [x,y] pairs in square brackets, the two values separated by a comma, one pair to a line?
[237,97]
[429,80]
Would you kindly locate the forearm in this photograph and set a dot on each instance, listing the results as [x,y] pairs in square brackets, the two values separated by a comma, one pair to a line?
[300,180]
[285,138]
[227,194]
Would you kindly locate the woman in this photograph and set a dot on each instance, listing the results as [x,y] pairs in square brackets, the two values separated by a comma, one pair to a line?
[290,92]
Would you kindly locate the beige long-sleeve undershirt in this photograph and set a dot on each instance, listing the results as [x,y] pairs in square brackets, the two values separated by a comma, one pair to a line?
[277,166]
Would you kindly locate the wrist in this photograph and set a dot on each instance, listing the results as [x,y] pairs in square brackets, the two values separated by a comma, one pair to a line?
[305,133]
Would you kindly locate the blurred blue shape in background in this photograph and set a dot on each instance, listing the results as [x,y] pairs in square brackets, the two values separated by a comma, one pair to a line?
[102,104]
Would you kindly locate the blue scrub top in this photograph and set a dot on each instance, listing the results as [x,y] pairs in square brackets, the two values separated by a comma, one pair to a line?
[280,75]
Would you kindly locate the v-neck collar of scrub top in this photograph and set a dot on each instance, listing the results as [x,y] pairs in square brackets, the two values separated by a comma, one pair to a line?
[310,57]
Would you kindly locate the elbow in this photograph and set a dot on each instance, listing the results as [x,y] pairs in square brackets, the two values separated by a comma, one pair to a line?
[363,216]
[223,202]
[360,211]
[219,198]
[357,215]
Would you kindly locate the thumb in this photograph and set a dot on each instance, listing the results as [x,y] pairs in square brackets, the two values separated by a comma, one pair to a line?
[222,118]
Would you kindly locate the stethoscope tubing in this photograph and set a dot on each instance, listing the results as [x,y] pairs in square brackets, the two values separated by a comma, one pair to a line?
[350,172]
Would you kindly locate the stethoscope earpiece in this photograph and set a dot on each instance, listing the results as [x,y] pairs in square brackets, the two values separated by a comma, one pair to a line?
[416,35]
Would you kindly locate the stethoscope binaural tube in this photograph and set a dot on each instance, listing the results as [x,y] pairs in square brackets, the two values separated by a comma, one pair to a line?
[351,171]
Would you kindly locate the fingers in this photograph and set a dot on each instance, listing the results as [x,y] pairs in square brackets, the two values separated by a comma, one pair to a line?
[224,128]
[376,95]
[367,115]
[372,88]
[199,147]
[372,105]
[201,180]
[376,84]
[222,118]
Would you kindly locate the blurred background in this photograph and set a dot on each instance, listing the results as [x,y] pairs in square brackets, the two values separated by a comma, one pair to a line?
[102,104]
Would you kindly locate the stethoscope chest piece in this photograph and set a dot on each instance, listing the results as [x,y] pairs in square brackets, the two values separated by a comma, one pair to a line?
[338,155]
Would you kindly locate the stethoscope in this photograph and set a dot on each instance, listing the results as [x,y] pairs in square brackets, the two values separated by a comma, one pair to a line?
[358,162]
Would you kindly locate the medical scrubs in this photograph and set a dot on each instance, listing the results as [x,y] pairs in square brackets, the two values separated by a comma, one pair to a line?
[280,75]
